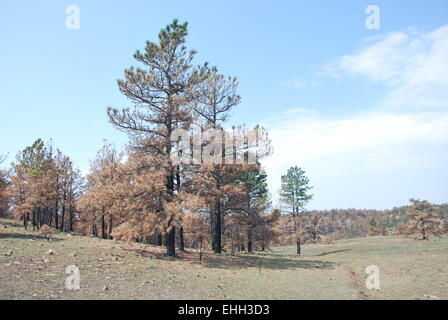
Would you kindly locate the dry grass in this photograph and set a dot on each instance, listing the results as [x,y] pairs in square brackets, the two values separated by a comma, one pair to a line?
[113,270]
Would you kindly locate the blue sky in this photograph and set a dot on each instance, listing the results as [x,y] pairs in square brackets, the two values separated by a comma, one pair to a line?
[364,112]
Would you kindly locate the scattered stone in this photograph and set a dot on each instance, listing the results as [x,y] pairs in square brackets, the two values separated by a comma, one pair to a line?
[7,253]
[17,263]
[431,297]
[45,260]
[50,252]
[73,254]
[7,264]
[5,226]
[114,258]
[105,288]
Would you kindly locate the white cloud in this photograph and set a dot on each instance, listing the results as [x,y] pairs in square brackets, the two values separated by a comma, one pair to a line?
[412,64]
[336,147]
[406,132]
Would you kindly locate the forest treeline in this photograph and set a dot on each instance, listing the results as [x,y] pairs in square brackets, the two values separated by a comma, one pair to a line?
[121,195]
[353,223]
[140,194]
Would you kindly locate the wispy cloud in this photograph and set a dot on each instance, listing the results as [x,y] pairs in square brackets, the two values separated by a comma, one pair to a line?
[413,64]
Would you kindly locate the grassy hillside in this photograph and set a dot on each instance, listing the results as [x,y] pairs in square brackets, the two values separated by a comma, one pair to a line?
[112,270]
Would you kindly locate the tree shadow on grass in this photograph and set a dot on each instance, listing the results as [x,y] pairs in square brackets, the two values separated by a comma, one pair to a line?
[8,222]
[225,261]
[264,262]
[331,252]
[26,237]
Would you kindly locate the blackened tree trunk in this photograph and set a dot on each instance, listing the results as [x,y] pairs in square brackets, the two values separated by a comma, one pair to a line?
[181,239]
[34,220]
[217,230]
[103,227]
[56,217]
[249,241]
[298,246]
[110,226]
[181,229]
[94,231]
[171,235]
[70,225]
[62,217]
[25,220]
[159,239]
[50,218]
[171,242]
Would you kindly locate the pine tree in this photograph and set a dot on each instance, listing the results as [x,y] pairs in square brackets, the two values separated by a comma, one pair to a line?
[265,230]
[423,219]
[294,194]
[196,228]
[97,203]
[4,182]
[254,200]
[216,96]
[161,94]
[31,191]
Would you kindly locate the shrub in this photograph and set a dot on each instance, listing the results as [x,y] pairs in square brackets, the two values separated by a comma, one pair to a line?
[46,231]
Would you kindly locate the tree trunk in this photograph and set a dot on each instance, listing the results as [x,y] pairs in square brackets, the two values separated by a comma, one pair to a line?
[110,226]
[159,239]
[171,236]
[56,207]
[171,243]
[34,220]
[71,220]
[181,239]
[298,247]
[249,241]
[216,242]
[103,227]
[50,219]
[63,217]
[56,218]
